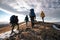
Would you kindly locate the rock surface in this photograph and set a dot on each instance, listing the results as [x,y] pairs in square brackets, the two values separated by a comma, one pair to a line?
[39,32]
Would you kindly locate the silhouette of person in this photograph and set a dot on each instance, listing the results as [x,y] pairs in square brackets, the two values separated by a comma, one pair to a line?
[42,15]
[14,22]
[32,17]
[26,20]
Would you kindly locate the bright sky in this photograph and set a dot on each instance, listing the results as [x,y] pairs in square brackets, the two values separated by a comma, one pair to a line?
[5,17]
[21,8]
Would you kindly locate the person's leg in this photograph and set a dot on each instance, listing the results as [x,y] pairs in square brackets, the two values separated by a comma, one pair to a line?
[12,28]
[26,23]
[18,26]
[32,24]
[43,20]
[32,21]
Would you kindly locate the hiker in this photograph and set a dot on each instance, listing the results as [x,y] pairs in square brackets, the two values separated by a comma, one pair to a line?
[42,15]
[14,22]
[32,17]
[26,20]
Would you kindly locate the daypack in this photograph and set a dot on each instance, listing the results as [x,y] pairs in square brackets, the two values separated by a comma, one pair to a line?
[32,13]
[12,19]
[16,19]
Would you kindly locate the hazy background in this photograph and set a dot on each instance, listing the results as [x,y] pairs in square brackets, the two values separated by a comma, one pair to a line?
[21,8]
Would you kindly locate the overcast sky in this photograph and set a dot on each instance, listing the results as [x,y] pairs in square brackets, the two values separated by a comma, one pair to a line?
[21,8]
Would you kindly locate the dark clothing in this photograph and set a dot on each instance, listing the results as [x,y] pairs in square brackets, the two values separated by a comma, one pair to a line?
[13,25]
[32,22]
[26,20]
[32,17]
[14,22]
[32,14]
[14,19]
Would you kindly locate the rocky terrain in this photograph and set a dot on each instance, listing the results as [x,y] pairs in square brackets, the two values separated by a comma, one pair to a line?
[39,32]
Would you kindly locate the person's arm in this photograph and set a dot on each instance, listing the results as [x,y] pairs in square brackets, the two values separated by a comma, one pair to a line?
[35,16]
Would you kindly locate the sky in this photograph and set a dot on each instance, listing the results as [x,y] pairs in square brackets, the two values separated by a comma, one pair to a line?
[51,8]
[4,17]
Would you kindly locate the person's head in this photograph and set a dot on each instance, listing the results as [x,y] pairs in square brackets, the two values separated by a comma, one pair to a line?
[31,10]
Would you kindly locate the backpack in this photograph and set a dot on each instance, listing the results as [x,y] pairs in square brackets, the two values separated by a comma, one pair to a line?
[12,19]
[16,19]
[32,13]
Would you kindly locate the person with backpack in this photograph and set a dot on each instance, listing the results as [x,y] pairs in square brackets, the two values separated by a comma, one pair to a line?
[14,22]
[26,20]
[32,17]
[42,15]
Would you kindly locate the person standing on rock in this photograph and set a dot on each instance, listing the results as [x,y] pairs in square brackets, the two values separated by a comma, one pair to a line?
[26,20]
[32,17]
[14,22]
[42,15]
